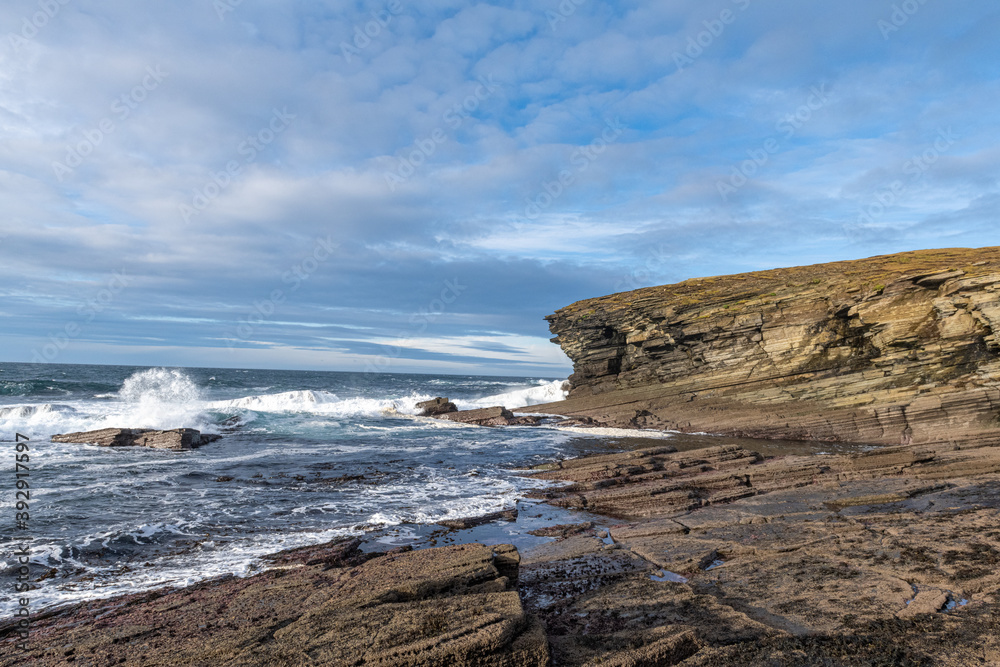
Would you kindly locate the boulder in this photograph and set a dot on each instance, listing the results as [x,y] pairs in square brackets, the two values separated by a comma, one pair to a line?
[436,406]
[176,439]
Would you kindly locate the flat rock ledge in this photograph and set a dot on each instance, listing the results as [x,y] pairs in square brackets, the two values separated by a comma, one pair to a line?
[455,605]
[176,439]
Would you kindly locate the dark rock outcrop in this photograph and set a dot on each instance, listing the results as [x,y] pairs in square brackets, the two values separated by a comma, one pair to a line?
[177,439]
[896,349]
[436,406]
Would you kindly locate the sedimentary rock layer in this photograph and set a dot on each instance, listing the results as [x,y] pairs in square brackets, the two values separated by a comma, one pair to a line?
[890,350]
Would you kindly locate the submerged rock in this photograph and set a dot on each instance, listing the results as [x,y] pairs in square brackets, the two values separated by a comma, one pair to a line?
[177,439]
[889,350]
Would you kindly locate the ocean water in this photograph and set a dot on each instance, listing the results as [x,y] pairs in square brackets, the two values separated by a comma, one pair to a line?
[305,457]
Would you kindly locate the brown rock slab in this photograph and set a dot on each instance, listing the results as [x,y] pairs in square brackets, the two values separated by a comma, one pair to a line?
[177,439]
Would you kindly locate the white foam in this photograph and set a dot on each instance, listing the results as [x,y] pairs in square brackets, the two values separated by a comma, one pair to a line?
[321,403]
[544,391]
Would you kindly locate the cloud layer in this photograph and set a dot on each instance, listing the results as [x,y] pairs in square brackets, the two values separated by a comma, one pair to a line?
[401,186]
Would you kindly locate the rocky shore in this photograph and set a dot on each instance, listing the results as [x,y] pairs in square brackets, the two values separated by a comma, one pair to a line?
[889,555]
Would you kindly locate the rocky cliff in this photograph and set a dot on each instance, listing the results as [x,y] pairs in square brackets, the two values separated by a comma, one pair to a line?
[895,349]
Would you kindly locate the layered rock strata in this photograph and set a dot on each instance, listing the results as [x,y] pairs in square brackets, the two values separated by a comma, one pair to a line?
[177,439]
[896,349]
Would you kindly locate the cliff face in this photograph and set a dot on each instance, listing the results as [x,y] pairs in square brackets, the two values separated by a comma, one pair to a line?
[896,349]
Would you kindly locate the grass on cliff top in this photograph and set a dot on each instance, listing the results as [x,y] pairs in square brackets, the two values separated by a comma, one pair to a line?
[835,278]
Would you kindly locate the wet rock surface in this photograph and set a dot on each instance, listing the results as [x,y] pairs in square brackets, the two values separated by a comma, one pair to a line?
[889,350]
[177,439]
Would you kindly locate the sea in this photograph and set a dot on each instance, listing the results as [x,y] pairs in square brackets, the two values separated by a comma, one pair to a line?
[304,458]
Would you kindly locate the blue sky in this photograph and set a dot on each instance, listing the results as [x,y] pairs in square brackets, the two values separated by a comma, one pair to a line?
[412,187]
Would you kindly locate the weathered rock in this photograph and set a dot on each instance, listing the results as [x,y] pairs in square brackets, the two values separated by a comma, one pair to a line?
[495,416]
[890,350]
[436,406]
[178,438]
[453,605]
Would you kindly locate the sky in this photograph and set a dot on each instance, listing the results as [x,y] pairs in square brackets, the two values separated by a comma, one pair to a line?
[401,186]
